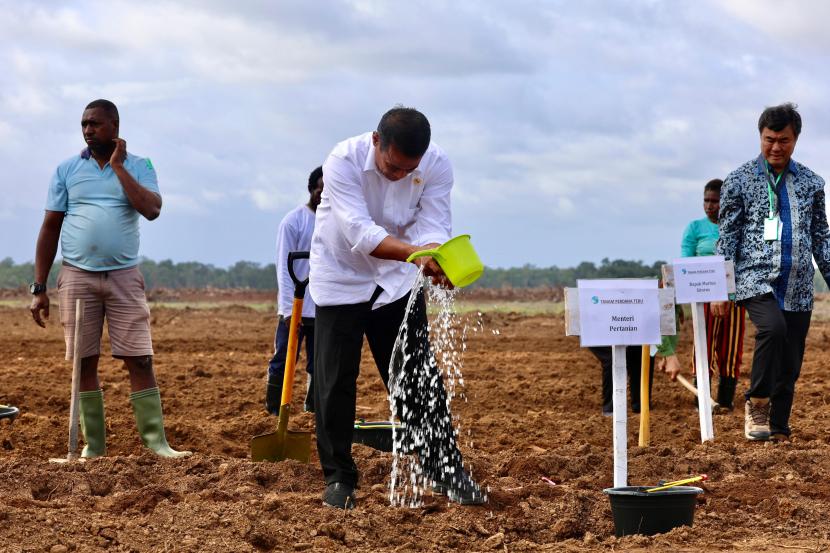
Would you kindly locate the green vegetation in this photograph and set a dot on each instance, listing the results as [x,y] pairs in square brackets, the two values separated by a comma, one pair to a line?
[165,274]
[247,274]
[512,306]
[16,276]
[530,276]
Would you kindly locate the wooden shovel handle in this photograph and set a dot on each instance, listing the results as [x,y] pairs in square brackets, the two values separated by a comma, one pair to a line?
[76,379]
[686,384]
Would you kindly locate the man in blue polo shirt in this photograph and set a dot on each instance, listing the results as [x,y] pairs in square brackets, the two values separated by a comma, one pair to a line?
[93,205]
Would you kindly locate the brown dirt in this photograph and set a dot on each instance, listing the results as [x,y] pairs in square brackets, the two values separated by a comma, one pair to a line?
[247,295]
[532,411]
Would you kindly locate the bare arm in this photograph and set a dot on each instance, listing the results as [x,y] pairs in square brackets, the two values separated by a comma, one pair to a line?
[47,247]
[145,201]
[398,250]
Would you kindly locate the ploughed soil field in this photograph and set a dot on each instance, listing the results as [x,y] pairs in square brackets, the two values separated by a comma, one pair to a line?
[532,410]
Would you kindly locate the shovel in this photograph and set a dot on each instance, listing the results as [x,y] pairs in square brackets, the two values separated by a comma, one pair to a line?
[375,434]
[9,412]
[74,415]
[287,444]
[689,386]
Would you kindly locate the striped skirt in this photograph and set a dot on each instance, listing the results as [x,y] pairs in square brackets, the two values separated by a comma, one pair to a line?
[725,340]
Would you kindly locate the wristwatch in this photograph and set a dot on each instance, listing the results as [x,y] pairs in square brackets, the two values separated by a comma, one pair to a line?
[36,288]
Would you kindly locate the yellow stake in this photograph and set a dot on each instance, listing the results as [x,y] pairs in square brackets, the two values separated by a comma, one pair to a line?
[677,483]
[645,434]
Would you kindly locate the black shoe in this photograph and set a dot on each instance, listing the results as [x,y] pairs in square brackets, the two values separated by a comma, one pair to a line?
[726,392]
[308,405]
[460,489]
[273,396]
[339,496]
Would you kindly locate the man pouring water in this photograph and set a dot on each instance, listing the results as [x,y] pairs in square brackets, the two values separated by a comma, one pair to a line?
[387,196]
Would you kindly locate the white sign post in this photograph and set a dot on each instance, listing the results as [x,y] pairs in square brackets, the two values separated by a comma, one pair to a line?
[619,373]
[699,280]
[618,313]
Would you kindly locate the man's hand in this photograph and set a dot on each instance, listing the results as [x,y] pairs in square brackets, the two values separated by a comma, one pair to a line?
[40,304]
[119,154]
[669,365]
[144,201]
[720,308]
[393,248]
[432,268]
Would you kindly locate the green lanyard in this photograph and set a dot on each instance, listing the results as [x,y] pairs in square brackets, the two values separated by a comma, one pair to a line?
[770,184]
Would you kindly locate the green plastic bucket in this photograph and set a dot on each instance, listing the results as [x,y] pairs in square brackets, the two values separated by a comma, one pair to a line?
[457,258]
[638,512]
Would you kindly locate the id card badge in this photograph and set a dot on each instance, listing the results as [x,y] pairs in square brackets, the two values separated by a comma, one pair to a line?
[772,228]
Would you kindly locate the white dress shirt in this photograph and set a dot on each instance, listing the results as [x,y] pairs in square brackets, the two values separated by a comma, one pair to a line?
[294,235]
[359,208]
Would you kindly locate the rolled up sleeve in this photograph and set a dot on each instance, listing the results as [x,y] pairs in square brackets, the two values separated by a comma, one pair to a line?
[433,223]
[348,206]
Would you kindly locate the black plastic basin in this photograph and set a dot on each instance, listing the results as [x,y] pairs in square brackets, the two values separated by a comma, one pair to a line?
[638,512]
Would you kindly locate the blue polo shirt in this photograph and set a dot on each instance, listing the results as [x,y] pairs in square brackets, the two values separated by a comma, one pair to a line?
[100,229]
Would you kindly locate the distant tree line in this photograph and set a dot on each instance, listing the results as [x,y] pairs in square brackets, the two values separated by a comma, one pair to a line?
[247,274]
[530,276]
[164,274]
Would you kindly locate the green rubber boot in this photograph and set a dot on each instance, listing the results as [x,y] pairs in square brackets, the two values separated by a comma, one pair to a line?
[150,422]
[91,409]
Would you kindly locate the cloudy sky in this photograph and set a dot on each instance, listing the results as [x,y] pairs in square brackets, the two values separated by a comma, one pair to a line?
[578,129]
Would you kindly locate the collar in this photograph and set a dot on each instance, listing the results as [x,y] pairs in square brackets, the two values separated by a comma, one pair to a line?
[759,166]
[369,165]
[86,153]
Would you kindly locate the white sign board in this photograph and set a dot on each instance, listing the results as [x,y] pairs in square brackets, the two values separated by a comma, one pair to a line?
[618,312]
[700,279]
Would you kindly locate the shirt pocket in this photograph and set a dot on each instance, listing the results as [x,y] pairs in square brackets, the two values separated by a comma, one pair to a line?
[415,196]
[405,220]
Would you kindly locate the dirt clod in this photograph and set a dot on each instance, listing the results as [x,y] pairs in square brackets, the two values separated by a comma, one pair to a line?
[494,541]
[532,409]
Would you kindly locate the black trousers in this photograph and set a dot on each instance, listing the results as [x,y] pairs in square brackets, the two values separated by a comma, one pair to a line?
[779,351]
[633,363]
[338,340]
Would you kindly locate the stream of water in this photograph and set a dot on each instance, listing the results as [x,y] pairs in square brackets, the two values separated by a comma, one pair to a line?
[425,377]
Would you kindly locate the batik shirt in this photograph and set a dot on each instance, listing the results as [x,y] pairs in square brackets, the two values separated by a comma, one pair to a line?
[781,267]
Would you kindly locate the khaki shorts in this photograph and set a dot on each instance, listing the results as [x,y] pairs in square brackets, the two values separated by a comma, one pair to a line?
[117,295]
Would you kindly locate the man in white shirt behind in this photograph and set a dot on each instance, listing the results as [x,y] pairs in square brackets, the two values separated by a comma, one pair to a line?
[294,235]
[387,195]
